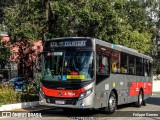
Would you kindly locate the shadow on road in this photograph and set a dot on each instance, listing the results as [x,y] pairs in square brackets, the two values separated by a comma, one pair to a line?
[73,113]
[84,113]
[153,101]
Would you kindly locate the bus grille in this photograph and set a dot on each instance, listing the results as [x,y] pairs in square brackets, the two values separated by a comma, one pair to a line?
[68,101]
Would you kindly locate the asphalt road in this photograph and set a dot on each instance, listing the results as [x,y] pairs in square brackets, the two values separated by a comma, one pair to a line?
[124,112]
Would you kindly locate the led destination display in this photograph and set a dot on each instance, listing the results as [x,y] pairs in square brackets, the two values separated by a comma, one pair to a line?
[69,43]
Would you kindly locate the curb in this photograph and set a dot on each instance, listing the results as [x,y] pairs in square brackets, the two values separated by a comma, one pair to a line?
[19,106]
[156,93]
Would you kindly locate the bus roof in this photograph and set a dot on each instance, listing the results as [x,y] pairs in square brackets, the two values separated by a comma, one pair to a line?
[69,38]
[110,45]
[122,49]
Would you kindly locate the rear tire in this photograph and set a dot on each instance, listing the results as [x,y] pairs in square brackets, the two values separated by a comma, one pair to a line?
[140,101]
[144,103]
[112,103]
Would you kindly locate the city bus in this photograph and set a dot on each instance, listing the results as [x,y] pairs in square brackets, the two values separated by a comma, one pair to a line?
[88,73]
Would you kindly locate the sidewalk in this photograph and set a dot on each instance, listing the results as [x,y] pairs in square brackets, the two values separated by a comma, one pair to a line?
[156,93]
[26,106]
[31,112]
[33,109]
[19,106]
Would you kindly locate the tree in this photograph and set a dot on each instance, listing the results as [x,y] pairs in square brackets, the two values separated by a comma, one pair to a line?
[84,18]
[4,54]
[25,19]
[3,4]
[154,13]
[121,22]
[125,22]
[4,57]
[25,57]
[4,45]
[116,21]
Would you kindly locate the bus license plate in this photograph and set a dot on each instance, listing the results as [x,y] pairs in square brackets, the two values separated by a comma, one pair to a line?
[59,101]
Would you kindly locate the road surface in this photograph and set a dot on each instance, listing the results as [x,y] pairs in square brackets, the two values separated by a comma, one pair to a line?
[124,112]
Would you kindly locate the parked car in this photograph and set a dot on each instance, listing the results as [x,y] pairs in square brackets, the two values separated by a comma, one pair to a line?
[18,82]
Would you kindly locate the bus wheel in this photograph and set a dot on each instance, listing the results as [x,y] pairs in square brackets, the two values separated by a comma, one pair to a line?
[140,99]
[112,103]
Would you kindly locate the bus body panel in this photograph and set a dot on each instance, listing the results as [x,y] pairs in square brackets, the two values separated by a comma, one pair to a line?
[126,86]
[101,94]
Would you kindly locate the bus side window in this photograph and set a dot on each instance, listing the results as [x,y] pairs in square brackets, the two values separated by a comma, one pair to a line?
[105,65]
[146,68]
[150,68]
[139,66]
[131,65]
[102,65]
[115,67]
[116,61]
[124,63]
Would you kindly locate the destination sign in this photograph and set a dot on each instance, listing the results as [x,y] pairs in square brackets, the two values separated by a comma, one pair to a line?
[69,43]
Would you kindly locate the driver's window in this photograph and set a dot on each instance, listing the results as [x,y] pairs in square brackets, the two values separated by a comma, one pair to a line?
[102,65]
[53,63]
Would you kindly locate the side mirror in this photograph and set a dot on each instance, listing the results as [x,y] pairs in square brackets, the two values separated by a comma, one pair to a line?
[38,61]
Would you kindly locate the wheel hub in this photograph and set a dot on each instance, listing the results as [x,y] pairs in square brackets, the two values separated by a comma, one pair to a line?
[112,103]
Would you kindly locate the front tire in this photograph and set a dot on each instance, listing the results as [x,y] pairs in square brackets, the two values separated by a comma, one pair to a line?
[112,103]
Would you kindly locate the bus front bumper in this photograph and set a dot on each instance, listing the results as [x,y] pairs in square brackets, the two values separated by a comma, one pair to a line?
[85,103]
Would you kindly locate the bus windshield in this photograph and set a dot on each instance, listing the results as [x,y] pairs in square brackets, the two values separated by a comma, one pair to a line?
[68,66]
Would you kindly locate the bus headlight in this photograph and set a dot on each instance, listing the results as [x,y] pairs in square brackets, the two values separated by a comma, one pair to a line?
[41,92]
[85,94]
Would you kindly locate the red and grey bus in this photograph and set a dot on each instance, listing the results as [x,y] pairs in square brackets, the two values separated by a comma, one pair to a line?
[83,72]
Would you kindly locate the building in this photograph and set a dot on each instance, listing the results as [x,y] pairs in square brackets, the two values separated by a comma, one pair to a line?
[22,57]
[4,70]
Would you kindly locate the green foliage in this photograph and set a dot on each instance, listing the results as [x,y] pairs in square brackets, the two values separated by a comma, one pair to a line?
[156,66]
[84,18]
[135,40]
[9,96]
[121,22]
[4,53]
[38,79]
[32,89]
[124,22]
[112,21]
[25,19]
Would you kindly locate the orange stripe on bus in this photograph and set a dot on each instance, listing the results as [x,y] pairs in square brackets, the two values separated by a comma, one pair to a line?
[136,86]
[62,93]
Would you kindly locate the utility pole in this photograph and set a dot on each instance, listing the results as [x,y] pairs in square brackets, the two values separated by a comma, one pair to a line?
[46,2]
